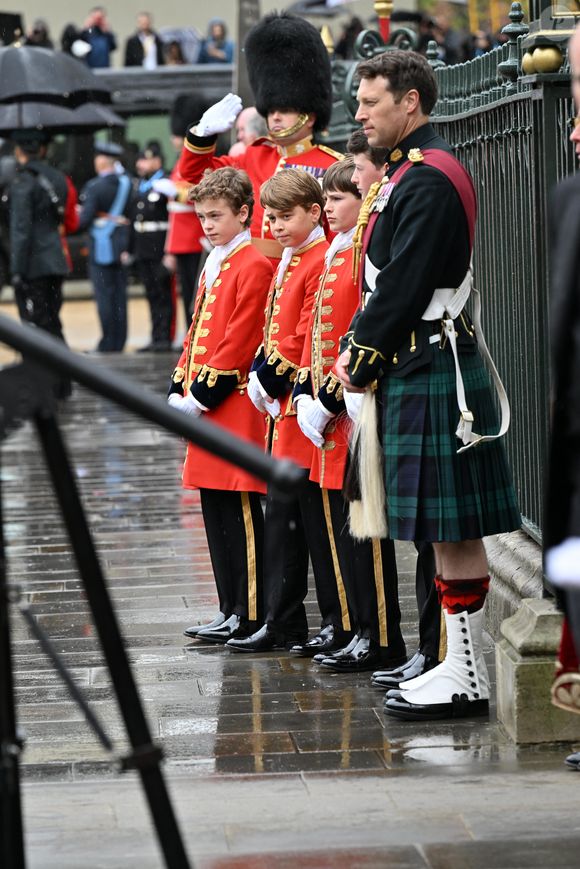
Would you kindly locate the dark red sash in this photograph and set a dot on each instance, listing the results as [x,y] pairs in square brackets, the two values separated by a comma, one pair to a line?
[457,175]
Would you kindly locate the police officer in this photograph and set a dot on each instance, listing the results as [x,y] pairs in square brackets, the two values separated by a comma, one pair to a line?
[150,224]
[105,206]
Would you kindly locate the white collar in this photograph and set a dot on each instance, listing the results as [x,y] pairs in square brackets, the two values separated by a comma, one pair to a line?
[289,252]
[216,257]
[342,241]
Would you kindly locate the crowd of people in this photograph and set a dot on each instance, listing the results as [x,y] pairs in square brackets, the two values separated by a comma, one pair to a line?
[95,41]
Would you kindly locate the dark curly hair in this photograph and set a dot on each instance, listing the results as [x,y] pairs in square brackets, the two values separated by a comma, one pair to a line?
[231,184]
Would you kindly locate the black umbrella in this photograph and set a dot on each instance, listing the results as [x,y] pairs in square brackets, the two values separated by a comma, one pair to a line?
[41,75]
[57,119]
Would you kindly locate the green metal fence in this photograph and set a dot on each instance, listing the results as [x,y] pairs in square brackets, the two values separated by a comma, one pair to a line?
[512,136]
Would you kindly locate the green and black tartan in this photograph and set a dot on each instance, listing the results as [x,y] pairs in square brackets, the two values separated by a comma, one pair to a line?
[434,494]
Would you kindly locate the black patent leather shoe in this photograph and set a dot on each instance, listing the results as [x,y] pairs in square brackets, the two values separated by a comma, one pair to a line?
[261,641]
[418,664]
[365,656]
[194,630]
[235,626]
[319,657]
[573,760]
[459,707]
[328,639]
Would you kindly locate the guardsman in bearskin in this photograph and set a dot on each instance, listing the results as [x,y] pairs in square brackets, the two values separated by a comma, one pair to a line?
[446,472]
[212,378]
[289,71]
[368,567]
[293,204]
[369,171]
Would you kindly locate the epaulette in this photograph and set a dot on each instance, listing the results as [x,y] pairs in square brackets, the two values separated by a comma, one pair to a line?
[331,152]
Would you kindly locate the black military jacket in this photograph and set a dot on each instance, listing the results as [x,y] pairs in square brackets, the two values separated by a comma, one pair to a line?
[149,210]
[36,212]
[419,243]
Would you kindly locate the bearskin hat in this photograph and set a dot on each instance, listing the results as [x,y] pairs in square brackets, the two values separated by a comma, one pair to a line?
[289,67]
[187,109]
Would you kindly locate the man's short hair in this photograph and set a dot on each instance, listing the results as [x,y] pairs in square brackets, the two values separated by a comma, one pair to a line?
[339,177]
[289,188]
[231,184]
[404,71]
[359,144]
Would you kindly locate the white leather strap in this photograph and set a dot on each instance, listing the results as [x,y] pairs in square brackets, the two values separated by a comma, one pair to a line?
[465,432]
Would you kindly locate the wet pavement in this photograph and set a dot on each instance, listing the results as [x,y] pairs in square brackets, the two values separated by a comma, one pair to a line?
[271,762]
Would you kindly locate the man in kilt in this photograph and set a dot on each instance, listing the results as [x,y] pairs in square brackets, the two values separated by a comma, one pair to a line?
[446,483]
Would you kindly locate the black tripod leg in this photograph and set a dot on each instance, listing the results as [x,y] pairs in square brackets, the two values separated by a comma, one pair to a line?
[11,832]
[146,757]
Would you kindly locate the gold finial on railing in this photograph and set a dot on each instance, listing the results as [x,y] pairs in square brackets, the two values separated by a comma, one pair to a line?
[384,9]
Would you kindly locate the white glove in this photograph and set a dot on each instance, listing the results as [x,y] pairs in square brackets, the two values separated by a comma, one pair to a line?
[318,416]
[165,186]
[220,117]
[186,404]
[303,405]
[273,408]
[353,402]
[256,393]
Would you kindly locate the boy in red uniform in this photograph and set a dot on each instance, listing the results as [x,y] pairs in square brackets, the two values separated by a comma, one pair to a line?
[368,568]
[212,377]
[293,205]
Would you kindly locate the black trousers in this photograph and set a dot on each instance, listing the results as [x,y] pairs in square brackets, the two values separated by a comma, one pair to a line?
[39,301]
[157,282]
[285,568]
[370,574]
[234,526]
[317,506]
[187,269]
[430,640]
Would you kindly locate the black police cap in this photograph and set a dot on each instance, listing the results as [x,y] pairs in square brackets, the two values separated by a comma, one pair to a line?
[108,149]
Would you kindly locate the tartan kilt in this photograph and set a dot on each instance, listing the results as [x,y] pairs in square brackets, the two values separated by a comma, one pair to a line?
[434,494]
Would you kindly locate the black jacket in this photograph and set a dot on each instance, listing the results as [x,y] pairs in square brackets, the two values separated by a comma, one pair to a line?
[149,210]
[96,199]
[563,484]
[37,199]
[420,242]
[134,53]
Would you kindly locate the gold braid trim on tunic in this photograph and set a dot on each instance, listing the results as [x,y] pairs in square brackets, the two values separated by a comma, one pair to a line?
[361,225]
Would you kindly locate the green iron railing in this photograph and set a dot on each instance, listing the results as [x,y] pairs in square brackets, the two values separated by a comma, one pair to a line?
[512,133]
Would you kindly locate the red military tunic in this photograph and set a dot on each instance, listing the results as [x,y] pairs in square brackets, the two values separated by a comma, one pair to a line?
[262,159]
[217,354]
[335,304]
[184,233]
[287,315]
